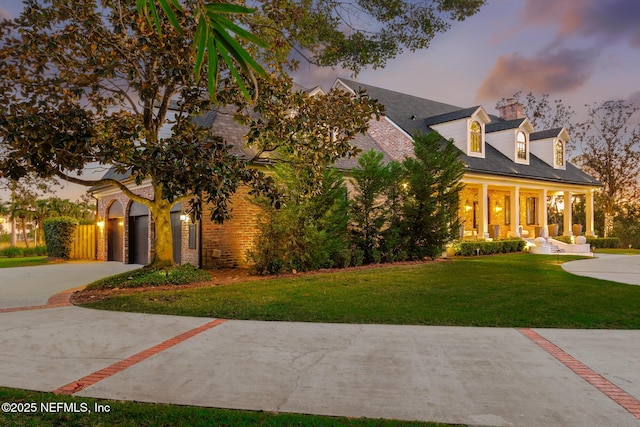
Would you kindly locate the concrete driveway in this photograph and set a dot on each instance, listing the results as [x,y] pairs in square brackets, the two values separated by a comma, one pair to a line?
[30,286]
[618,268]
[477,376]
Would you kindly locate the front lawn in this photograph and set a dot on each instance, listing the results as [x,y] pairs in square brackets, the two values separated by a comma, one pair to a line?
[148,414]
[23,262]
[515,290]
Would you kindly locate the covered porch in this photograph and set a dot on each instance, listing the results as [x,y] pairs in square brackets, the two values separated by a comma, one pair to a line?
[491,207]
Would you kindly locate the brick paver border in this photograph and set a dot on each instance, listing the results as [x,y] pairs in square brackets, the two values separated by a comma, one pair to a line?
[61,299]
[611,390]
[97,376]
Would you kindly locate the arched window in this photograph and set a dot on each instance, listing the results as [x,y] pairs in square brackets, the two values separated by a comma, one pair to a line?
[475,137]
[521,146]
[559,153]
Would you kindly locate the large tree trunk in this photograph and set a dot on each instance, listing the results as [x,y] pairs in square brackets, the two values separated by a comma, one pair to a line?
[163,256]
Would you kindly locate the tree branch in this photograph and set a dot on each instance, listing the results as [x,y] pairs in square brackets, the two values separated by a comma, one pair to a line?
[105,181]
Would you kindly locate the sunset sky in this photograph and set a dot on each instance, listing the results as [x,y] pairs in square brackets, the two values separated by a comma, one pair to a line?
[580,51]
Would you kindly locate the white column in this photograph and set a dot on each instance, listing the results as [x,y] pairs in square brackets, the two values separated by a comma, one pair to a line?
[589,231]
[542,212]
[514,218]
[483,223]
[568,220]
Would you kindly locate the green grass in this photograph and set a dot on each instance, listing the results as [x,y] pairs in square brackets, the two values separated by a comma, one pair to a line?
[516,290]
[146,276]
[146,414]
[23,262]
[618,251]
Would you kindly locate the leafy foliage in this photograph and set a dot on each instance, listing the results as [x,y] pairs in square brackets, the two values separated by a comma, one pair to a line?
[179,275]
[611,153]
[309,230]
[430,209]
[59,234]
[369,212]
[471,248]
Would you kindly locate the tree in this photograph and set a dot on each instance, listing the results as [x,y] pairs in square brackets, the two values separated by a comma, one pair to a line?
[611,154]
[430,209]
[87,81]
[84,83]
[368,208]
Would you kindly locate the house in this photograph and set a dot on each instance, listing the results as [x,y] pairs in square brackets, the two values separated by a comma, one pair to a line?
[511,169]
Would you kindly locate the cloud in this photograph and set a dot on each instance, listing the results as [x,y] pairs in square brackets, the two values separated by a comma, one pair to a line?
[605,21]
[547,72]
[4,14]
[634,98]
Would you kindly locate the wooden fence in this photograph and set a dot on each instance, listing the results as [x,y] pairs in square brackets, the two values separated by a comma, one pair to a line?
[84,243]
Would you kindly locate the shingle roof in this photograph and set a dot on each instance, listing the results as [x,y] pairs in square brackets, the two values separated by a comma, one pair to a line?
[400,107]
[407,111]
[449,117]
[496,125]
[543,134]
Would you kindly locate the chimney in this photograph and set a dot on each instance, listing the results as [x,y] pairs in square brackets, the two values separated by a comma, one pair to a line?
[511,109]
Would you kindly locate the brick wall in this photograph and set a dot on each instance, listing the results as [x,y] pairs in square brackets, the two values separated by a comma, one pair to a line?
[395,142]
[233,238]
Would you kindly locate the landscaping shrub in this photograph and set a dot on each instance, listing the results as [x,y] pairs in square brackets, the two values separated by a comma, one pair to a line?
[309,230]
[471,247]
[604,242]
[40,250]
[11,252]
[598,242]
[430,208]
[58,233]
[180,275]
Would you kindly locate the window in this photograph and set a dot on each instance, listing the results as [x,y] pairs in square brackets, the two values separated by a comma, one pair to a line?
[521,146]
[531,210]
[475,137]
[559,153]
[192,236]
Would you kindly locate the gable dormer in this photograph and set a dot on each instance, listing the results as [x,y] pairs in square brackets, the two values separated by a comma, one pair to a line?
[466,128]
[511,138]
[551,146]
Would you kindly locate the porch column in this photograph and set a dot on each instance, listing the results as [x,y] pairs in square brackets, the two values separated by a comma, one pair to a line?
[589,231]
[483,223]
[542,212]
[514,210]
[568,220]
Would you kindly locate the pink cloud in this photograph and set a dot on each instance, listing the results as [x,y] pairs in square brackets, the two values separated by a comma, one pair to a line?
[563,71]
[4,14]
[605,21]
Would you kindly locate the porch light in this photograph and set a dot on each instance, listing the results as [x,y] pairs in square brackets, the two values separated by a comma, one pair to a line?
[184,217]
[498,207]
[467,206]
[100,223]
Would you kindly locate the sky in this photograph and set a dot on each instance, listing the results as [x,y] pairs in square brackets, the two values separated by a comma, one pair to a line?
[579,51]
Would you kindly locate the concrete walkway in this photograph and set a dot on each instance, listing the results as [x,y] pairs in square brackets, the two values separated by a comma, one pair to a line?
[478,376]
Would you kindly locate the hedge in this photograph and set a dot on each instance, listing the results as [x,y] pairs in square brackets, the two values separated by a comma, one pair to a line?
[475,247]
[13,252]
[59,233]
[597,242]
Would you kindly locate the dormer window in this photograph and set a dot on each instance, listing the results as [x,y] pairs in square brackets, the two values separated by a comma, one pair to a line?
[521,146]
[559,152]
[475,137]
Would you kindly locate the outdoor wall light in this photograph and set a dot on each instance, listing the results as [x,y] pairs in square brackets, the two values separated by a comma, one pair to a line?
[498,207]
[184,217]
[100,223]
[467,206]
